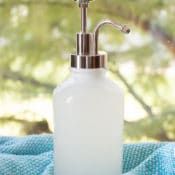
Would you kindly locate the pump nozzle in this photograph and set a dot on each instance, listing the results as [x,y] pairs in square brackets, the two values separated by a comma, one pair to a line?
[120,27]
[80,2]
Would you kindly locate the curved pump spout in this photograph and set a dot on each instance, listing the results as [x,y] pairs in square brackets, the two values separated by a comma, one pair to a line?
[120,27]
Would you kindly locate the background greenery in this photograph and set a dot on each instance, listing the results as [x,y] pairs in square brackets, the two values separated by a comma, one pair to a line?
[36,38]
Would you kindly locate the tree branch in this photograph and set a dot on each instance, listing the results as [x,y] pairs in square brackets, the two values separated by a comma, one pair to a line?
[28,127]
[16,76]
[145,128]
[38,2]
[146,107]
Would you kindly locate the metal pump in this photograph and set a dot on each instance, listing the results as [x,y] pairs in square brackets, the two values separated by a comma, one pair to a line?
[87,55]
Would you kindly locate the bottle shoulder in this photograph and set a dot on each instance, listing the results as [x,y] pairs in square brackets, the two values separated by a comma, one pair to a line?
[66,84]
[73,86]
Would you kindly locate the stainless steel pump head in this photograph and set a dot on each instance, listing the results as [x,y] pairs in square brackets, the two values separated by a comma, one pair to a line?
[87,55]
[83,2]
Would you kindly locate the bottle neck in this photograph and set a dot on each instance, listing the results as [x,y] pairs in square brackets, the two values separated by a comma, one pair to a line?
[89,73]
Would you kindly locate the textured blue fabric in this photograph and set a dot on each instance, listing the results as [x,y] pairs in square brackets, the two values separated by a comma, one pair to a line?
[33,155]
[149,159]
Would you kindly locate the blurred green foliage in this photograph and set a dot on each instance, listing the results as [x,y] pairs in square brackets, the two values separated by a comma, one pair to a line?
[36,38]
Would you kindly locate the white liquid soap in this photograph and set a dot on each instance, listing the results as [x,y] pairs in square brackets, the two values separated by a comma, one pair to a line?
[88,112]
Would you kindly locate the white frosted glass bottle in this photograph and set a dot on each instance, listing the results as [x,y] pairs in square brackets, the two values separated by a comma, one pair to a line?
[88,111]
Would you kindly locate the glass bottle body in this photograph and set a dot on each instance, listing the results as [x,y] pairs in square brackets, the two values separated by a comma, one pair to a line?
[88,122]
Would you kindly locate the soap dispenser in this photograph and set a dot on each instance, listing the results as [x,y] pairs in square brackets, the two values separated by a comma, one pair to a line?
[88,110]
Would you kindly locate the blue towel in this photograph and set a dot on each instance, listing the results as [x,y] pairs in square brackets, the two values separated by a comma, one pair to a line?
[33,155]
